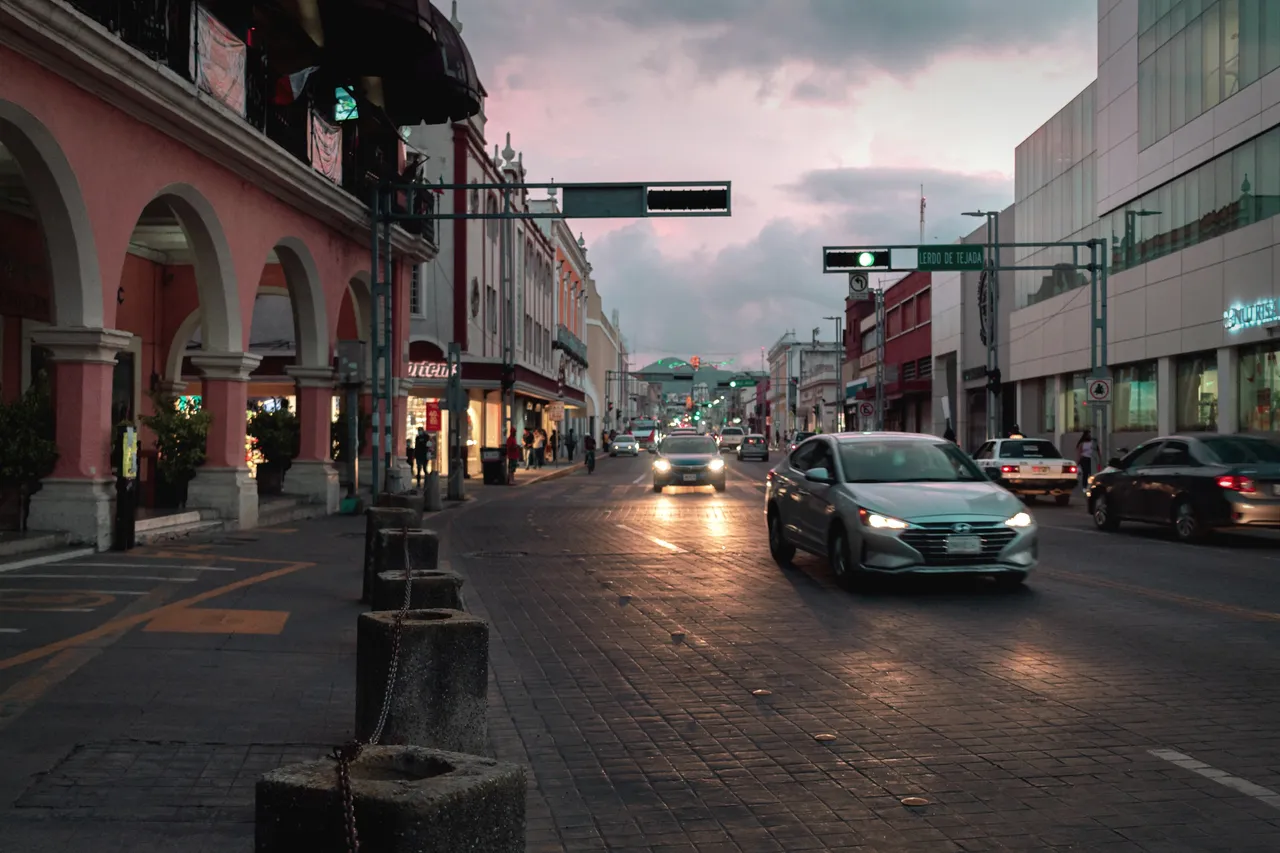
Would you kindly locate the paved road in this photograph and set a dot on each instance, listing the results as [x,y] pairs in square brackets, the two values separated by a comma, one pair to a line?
[1127,700]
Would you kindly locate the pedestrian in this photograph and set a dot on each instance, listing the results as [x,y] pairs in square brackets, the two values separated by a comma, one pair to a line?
[528,447]
[949,433]
[539,448]
[572,444]
[554,444]
[513,457]
[409,456]
[1086,449]
[420,447]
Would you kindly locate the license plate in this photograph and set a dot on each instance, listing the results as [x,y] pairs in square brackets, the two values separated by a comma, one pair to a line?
[691,478]
[964,544]
[1040,469]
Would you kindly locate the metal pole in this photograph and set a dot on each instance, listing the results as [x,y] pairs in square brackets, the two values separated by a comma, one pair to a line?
[879,297]
[388,335]
[993,400]
[995,317]
[375,213]
[507,360]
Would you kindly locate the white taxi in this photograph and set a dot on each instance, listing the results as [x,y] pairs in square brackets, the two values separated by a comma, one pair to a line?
[1029,467]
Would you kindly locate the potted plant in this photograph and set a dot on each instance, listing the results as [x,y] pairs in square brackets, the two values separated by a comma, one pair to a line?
[28,450]
[277,436]
[180,433]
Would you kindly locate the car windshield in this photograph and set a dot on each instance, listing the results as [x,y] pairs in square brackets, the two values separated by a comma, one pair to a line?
[1029,449]
[688,444]
[906,461]
[626,439]
[1234,450]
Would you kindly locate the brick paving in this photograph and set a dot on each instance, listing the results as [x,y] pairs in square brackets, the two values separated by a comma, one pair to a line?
[623,671]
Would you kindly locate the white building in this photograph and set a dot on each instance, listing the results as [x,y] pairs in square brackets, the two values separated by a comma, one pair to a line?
[791,363]
[1173,158]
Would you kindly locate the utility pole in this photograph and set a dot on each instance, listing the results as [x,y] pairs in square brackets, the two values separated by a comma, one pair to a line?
[879,297]
[839,373]
[992,272]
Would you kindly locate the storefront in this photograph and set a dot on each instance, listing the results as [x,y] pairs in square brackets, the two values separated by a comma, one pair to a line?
[426,407]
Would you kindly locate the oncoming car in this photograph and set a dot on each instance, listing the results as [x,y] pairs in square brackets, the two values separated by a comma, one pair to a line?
[688,460]
[895,504]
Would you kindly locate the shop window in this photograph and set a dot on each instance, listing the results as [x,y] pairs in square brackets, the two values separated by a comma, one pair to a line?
[1074,407]
[1134,406]
[1259,389]
[1197,392]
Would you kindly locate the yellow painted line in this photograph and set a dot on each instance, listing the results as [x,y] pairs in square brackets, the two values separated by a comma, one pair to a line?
[37,600]
[1162,595]
[123,623]
[199,620]
[213,558]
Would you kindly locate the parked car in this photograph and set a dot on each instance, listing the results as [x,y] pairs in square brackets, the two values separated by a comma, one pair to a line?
[1196,484]
[1029,467]
[895,504]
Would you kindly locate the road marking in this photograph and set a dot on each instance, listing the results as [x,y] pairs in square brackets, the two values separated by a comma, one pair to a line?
[84,591]
[104,578]
[1161,595]
[199,620]
[12,630]
[1244,786]
[655,540]
[46,558]
[638,480]
[121,624]
[148,566]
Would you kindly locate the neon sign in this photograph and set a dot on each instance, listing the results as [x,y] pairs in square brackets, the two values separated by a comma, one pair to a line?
[1264,312]
[429,370]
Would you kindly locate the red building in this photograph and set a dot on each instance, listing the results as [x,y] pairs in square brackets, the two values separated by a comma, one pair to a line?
[908,353]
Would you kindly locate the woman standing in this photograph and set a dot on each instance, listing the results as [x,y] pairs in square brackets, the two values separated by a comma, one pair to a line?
[1086,449]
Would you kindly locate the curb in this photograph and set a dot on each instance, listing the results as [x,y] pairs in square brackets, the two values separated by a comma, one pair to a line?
[555,475]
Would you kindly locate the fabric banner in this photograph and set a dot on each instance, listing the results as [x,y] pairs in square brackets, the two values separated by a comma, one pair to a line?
[218,60]
[431,416]
[325,147]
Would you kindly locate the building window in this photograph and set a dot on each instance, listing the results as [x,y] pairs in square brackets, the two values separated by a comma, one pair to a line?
[1197,392]
[491,225]
[1194,54]
[923,307]
[908,315]
[893,322]
[1048,409]
[1073,403]
[1259,388]
[415,291]
[908,370]
[491,307]
[1134,407]
[924,368]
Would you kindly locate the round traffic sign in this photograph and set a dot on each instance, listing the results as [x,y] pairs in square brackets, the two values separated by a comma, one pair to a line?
[866,408]
[1099,390]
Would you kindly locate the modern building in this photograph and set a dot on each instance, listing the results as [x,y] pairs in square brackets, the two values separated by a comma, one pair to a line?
[961,307]
[1172,157]
[792,362]
[535,318]
[908,347]
[157,177]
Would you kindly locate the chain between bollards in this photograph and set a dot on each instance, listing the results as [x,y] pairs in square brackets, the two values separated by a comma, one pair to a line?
[344,755]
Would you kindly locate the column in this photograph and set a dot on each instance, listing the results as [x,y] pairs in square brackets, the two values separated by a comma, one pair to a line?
[1228,390]
[1019,404]
[223,483]
[366,438]
[313,475]
[401,474]
[78,497]
[1057,388]
[1166,396]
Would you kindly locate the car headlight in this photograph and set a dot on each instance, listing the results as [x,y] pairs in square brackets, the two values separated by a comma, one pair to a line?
[661,465]
[881,522]
[717,465]
[1022,519]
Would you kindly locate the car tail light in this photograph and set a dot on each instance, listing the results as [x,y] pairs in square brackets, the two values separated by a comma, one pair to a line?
[1237,484]
[1009,469]
[769,476]
[1070,469]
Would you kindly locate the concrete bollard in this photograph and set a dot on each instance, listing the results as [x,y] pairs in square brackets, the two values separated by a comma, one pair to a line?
[430,590]
[433,502]
[439,698]
[381,518]
[389,548]
[409,500]
[407,799]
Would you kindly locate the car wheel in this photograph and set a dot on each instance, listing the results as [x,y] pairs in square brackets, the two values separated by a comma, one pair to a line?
[840,558]
[657,488]
[1010,580]
[1186,524]
[1062,500]
[720,486]
[766,457]
[782,551]
[1103,517]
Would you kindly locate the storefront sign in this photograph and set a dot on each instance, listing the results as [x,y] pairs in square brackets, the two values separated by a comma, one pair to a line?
[431,416]
[1264,312]
[555,412]
[429,370]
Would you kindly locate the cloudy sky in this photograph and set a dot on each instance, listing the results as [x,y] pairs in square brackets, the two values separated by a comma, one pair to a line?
[827,115]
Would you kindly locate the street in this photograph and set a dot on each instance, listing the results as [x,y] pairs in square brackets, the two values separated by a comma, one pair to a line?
[670,687]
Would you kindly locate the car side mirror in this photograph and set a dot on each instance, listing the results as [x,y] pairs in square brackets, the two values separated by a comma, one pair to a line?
[819,475]
[1113,462]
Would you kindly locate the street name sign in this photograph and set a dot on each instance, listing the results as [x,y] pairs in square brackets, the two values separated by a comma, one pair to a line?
[953,258]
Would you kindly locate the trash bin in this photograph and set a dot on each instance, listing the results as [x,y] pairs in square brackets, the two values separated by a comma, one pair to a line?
[493,466]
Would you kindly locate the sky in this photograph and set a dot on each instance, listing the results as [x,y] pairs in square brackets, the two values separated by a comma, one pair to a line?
[827,116]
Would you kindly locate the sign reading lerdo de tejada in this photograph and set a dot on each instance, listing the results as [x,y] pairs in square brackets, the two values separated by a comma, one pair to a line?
[1264,312]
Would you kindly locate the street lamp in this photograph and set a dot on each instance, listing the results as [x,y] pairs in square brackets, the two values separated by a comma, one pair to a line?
[1130,232]
[839,373]
[993,327]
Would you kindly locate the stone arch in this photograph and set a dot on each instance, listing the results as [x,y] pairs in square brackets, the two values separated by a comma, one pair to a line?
[178,346]
[361,289]
[306,299]
[220,327]
[70,251]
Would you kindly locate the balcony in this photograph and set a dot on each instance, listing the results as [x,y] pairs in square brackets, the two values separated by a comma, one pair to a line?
[316,106]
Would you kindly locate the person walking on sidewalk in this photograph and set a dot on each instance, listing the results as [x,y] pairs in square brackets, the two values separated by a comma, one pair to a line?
[1086,449]
[589,451]
[513,457]
[421,445]
[539,448]
[571,444]
[528,447]
[554,444]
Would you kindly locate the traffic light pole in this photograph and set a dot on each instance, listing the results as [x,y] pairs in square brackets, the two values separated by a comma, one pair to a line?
[954,257]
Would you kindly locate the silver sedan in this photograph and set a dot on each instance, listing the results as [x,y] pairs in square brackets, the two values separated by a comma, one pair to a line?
[880,504]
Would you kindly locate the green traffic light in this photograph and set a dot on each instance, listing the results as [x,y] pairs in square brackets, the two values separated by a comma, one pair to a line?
[733,384]
[866,259]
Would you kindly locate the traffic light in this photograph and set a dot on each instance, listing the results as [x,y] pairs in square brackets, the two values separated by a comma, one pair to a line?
[993,381]
[508,377]
[858,259]
[733,383]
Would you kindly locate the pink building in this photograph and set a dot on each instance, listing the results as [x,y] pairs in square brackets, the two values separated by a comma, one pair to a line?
[167,171]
